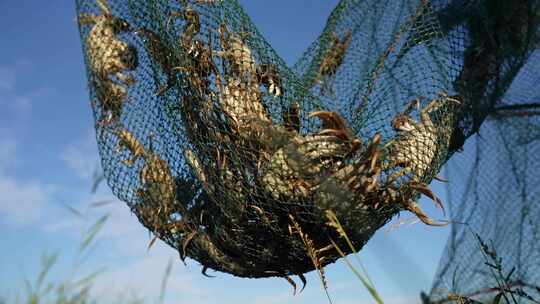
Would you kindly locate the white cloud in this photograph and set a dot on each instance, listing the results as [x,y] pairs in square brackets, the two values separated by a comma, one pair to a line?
[82,156]
[7,79]
[16,106]
[20,202]
[89,208]
[7,153]
[122,249]
[144,277]
[21,106]
[8,74]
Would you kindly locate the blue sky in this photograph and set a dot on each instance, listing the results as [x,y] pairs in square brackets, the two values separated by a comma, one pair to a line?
[48,154]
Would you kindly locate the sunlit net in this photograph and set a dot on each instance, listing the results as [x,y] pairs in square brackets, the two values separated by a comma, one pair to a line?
[232,157]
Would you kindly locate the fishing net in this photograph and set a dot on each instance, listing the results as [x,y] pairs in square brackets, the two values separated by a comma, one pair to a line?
[234,159]
[494,193]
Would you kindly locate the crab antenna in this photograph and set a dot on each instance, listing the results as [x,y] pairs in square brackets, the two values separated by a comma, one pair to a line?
[104,6]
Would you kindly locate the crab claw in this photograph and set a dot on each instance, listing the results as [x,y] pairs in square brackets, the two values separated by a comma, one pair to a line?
[413,104]
[103,6]
[330,120]
[441,179]
[375,142]
[453,98]
[337,133]
[422,188]
[293,284]
[274,89]
[333,124]
[291,118]
[185,244]
[304,281]
[278,91]
[414,208]
[373,152]
[402,123]
[203,271]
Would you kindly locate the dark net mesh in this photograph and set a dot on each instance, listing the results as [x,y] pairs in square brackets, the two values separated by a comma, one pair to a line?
[495,191]
[233,158]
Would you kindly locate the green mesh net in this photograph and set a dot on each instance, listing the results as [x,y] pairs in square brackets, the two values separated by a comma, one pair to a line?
[233,158]
[494,191]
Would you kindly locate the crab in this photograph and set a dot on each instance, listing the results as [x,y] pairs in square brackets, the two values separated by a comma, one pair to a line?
[107,54]
[240,93]
[242,103]
[333,57]
[297,167]
[111,96]
[201,66]
[268,75]
[126,140]
[192,25]
[416,145]
[291,118]
[414,150]
[237,54]
[160,53]
[157,182]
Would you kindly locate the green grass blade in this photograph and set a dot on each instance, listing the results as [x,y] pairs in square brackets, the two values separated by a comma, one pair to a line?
[333,221]
[47,261]
[361,277]
[92,232]
[164,281]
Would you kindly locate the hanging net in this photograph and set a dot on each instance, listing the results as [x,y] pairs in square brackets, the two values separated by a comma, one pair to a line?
[494,194]
[233,158]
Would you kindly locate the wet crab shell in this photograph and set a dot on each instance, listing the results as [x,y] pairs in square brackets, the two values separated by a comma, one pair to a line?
[415,147]
[303,161]
[157,180]
[242,56]
[415,150]
[238,54]
[242,102]
[126,140]
[335,54]
[107,54]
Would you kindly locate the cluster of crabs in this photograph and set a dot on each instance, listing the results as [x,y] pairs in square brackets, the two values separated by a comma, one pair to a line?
[235,144]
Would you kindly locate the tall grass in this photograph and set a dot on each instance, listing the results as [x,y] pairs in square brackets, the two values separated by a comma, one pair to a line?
[73,288]
[507,288]
[361,274]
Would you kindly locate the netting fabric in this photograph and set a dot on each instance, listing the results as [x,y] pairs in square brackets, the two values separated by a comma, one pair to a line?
[233,158]
[494,194]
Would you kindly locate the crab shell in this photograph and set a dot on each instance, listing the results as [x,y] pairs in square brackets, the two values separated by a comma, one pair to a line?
[111,96]
[303,161]
[107,54]
[242,102]
[157,181]
[415,147]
